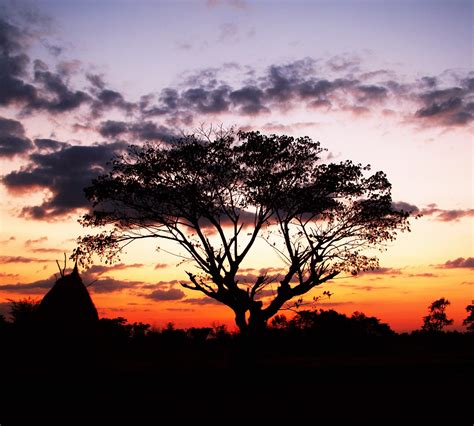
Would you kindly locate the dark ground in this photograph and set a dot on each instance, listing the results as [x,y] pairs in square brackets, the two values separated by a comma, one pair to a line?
[402,379]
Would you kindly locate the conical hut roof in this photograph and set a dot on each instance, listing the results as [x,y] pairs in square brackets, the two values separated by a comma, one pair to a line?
[68,303]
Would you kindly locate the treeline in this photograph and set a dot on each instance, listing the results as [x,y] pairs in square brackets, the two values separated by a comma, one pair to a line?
[315,325]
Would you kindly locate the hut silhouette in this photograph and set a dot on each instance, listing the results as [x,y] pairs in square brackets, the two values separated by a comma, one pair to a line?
[67,307]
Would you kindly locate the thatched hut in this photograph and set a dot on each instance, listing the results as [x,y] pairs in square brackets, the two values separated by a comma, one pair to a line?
[68,306]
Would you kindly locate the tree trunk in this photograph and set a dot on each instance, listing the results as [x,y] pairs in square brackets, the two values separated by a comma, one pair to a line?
[241,322]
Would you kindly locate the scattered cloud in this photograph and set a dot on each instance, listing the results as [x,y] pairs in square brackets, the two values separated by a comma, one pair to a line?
[165,295]
[460,262]
[5,275]
[380,271]
[161,265]
[202,301]
[442,215]
[35,287]
[365,287]
[8,240]
[39,240]
[21,259]
[47,250]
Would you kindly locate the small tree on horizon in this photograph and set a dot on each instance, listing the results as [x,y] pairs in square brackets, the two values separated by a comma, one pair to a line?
[437,319]
[216,197]
[469,321]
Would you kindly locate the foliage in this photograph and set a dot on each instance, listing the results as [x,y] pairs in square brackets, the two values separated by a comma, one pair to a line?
[215,197]
[23,311]
[437,319]
[332,324]
[469,320]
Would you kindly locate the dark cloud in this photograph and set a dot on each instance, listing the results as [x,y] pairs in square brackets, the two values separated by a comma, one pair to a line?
[59,97]
[442,215]
[460,262]
[65,174]
[49,144]
[12,138]
[45,91]
[108,284]
[102,269]
[141,130]
[369,94]
[165,295]
[207,101]
[150,131]
[36,287]
[249,99]
[451,106]
[112,129]
[94,282]
[106,99]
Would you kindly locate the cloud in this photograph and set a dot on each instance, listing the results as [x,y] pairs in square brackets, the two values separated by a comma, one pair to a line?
[36,241]
[449,106]
[161,265]
[406,207]
[446,215]
[47,250]
[49,144]
[8,240]
[21,259]
[5,275]
[423,275]
[65,173]
[365,287]
[12,138]
[202,301]
[108,284]
[380,271]
[36,287]
[165,295]
[460,262]
[142,130]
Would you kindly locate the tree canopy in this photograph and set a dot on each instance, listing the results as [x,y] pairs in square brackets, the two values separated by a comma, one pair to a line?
[215,196]
[437,319]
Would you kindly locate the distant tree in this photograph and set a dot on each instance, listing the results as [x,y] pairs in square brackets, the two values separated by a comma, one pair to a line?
[334,324]
[23,312]
[469,321]
[437,319]
[215,196]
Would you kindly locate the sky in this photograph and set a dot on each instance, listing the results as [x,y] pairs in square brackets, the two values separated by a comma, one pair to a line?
[389,84]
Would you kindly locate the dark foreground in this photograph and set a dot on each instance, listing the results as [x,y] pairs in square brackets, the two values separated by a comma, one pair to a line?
[402,379]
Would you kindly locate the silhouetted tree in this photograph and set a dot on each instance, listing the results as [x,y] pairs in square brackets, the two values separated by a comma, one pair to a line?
[23,312]
[215,197]
[469,321]
[437,319]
